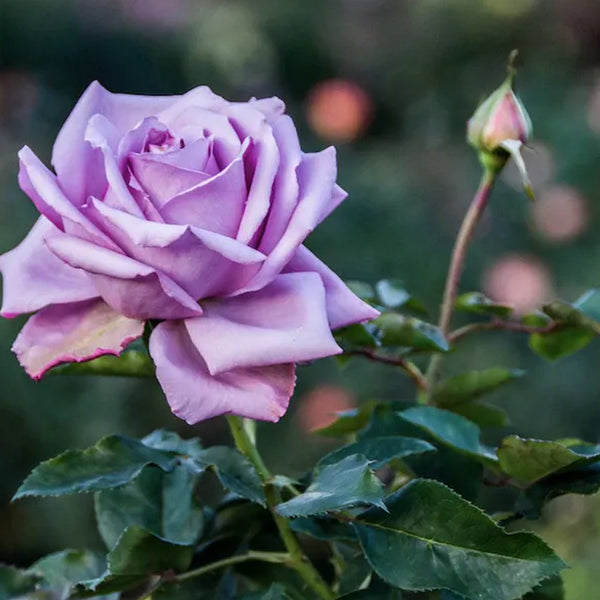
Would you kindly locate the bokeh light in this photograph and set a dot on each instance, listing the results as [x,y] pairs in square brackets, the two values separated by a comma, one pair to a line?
[519,280]
[318,408]
[559,214]
[338,110]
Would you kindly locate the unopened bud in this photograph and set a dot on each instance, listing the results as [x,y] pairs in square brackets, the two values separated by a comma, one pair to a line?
[500,127]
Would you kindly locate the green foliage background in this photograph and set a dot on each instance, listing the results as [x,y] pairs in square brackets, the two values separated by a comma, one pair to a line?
[425,64]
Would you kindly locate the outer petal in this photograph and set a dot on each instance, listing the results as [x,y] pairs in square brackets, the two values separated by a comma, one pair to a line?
[284,322]
[73,333]
[130,287]
[343,306]
[34,277]
[193,394]
[80,167]
[316,176]
[203,262]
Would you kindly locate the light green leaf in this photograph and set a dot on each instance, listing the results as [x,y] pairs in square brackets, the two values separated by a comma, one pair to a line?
[139,552]
[391,294]
[131,363]
[472,385]
[450,429]
[349,482]
[363,290]
[234,470]
[162,503]
[113,461]
[399,330]
[531,460]
[378,450]
[14,582]
[560,342]
[432,538]
[477,303]
[171,442]
[482,414]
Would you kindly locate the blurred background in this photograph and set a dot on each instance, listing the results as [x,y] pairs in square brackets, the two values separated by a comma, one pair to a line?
[391,83]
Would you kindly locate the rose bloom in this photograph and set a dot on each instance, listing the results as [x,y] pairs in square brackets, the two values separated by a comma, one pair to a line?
[188,212]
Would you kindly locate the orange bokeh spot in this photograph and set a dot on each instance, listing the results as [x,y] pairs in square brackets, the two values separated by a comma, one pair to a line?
[338,110]
[318,408]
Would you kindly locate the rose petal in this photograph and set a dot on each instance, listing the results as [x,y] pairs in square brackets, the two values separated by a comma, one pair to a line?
[130,287]
[34,277]
[272,107]
[216,204]
[73,332]
[283,322]
[193,394]
[316,177]
[343,306]
[204,263]
[80,168]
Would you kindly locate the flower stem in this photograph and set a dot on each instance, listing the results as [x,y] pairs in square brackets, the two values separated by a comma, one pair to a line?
[297,558]
[459,253]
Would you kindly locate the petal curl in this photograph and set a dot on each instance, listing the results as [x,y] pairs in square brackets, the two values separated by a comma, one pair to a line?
[34,277]
[344,307]
[194,395]
[130,287]
[284,322]
[80,167]
[73,332]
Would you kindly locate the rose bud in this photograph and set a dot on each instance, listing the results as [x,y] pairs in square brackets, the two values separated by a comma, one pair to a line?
[500,127]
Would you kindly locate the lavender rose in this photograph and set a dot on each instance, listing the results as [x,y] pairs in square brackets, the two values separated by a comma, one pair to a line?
[190,212]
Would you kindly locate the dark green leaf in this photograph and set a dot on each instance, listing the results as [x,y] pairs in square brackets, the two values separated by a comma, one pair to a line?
[386,420]
[391,294]
[131,363]
[450,429]
[171,442]
[432,538]
[112,462]
[234,470]
[14,582]
[399,330]
[108,584]
[352,569]
[381,593]
[569,314]
[482,414]
[139,552]
[551,589]
[162,503]
[355,336]
[474,384]
[378,450]
[531,460]
[349,421]
[476,302]
[275,592]
[323,528]
[347,483]
[560,342]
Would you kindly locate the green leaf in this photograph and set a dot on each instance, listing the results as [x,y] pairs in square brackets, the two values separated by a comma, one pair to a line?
[363,290]
[162,503]
[391,294]
[379,593]
[234,470]
[569,314]
[113,461]
[589,304]
[108,584]
[432,538]
[131,363]
[531,460]
[399,330]
[355,336]
[482,414]
[353,572]
[275,592]
[139,552]
[14,582]
[378,450]
[450,429]
[171,442]
[476,302]
[472,385]
[349,421]
[323,528]
[560,342]
[551,589]
[347,483]
[62,570]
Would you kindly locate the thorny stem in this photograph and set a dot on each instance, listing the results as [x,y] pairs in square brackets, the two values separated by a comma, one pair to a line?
[408,367]
[459,253]
[297,558]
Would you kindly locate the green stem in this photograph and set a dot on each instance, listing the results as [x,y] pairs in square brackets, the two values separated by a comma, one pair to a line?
[459,254]
[297,558]
[270,557]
